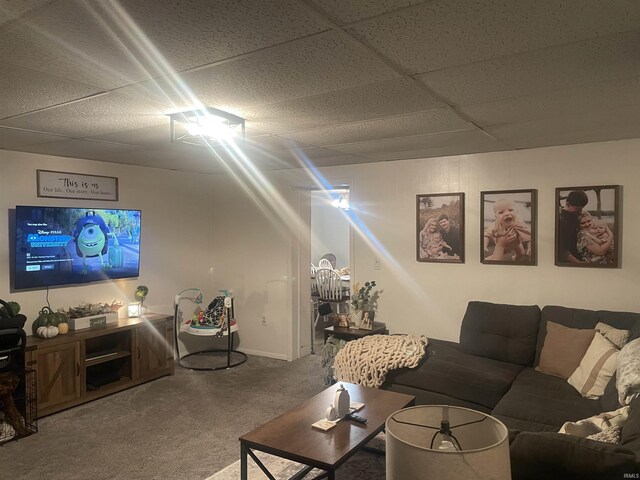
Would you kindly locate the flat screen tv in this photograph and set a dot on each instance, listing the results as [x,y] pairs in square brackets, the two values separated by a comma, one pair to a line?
[61,246]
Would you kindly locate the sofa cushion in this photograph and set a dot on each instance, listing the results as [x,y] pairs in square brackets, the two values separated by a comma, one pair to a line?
[507,333]
[563,349]
[536,455]
[426,397]
[449,371]
[540,402]
[578,318]
[609,400]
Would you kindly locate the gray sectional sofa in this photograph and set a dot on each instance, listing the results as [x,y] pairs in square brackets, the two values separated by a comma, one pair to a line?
[492,369]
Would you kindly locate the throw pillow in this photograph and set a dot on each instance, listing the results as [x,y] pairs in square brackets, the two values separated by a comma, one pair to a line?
[596,368]
[563,349]
[618,337]
[628,372]
[609,435]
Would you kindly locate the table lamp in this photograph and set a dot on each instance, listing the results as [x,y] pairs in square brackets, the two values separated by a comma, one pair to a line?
[444,442]
[134,310]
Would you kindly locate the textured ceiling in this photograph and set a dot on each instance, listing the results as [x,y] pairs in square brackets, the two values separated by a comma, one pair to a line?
[329,81]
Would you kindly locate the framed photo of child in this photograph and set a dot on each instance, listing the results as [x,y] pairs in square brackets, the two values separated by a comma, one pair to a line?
[440,227]
[588,226]
[508,227]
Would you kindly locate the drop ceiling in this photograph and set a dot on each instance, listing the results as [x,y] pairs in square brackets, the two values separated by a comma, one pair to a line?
[330,82]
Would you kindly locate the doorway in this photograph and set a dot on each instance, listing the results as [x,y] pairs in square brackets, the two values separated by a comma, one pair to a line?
[330,238]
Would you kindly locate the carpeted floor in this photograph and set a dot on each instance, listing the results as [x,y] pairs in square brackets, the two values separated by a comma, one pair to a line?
[181,427]
[363,465]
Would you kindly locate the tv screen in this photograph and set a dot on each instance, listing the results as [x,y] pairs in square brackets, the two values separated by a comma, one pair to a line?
[60,245]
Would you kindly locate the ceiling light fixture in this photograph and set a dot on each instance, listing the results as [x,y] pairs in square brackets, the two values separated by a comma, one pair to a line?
[197,127]
[340,202]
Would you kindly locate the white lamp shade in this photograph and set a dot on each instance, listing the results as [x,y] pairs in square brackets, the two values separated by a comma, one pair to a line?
[484,445]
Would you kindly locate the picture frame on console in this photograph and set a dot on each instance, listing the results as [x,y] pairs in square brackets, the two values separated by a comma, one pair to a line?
[508,228]
[440,227]
[588,226]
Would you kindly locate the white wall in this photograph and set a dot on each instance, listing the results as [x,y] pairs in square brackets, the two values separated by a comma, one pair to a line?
[428,298]
[175,240]
[229,238]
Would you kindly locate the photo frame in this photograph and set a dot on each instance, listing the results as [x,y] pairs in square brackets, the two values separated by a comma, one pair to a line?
[508,227]
[440,227]
[588,226]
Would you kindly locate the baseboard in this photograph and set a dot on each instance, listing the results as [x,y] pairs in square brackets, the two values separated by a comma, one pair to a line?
[259,353]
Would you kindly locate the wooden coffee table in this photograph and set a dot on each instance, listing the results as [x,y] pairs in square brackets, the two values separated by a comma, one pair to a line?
[291,436]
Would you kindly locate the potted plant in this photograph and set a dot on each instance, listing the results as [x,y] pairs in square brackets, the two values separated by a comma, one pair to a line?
[141,293]
[365,299]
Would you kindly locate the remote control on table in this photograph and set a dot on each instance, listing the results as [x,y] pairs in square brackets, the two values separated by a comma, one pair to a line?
[356,418]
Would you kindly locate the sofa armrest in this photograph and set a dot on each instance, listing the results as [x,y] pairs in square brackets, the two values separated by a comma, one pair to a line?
[536,455]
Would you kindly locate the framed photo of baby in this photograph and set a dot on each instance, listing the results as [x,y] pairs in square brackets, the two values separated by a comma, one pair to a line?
[588,226]
[508,227]
[440,227]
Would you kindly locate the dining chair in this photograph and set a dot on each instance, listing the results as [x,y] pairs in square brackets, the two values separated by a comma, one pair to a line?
[332,259]
[330,289]
[314,289]
[324,263]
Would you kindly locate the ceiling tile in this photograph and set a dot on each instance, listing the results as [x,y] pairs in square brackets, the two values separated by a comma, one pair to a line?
[592,101]
[14,9]
[190,33]
[155,137]
[612,125]
[458,32]
[439,151]
[77,149]
[261,159]
[430,121]
[343,13]
[271,143]
[94,116]
[68,40]
[112,44]
[13,138]
[567,66]
[316,154]
[385,99]
[188,159]
[468,141]
[37,90]
[340,160]
[537,72]
[317,64]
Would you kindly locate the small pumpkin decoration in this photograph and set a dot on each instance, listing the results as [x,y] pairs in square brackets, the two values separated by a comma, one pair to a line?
[61,321]
[63,327]
[47,332]
[46,318]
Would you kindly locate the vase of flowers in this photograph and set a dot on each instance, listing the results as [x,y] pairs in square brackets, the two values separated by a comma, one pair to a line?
[365,299]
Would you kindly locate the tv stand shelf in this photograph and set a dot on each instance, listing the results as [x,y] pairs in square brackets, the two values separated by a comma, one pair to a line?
[88,364]
[107,357]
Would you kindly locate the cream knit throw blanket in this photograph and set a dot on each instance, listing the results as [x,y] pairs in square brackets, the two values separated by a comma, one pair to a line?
[367,361]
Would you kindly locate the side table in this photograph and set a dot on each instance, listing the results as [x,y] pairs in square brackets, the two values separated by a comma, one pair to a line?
[347,333]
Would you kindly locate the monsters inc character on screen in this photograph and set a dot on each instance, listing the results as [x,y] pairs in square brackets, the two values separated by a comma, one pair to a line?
[91,238]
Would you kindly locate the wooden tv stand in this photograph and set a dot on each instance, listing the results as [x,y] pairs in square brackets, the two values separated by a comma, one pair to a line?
[87,364]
